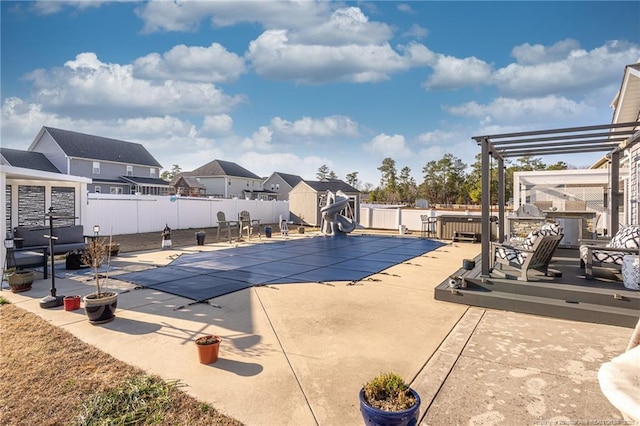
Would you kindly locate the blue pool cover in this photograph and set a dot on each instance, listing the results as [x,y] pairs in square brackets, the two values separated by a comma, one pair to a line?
[207,275]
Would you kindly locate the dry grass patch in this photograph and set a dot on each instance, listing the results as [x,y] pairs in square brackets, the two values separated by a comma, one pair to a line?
[46,374]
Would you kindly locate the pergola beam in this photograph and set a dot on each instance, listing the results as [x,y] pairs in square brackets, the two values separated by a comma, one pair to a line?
[553,151]
[613,142]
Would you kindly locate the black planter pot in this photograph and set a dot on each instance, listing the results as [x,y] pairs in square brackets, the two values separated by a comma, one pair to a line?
[200,238]
[101,310]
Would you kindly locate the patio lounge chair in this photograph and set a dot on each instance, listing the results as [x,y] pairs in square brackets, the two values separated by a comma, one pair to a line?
[625,241]
[534,254]
[246,223]
[224,224]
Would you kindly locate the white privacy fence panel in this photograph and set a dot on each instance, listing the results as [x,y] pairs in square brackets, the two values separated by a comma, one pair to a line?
[132,214]
[392,218]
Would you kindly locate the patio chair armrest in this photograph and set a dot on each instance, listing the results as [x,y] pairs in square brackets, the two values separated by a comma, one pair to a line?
[592,242]
[618,249]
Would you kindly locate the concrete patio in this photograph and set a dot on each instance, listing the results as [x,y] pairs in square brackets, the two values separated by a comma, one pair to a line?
[297,354]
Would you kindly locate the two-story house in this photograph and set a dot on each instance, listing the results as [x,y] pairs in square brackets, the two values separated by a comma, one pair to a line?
[115,166]
[225,179]
[281,184]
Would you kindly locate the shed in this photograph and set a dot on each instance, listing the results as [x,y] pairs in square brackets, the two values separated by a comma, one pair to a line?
[307,197]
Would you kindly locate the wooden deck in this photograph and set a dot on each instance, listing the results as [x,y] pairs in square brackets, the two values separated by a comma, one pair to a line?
[603,300]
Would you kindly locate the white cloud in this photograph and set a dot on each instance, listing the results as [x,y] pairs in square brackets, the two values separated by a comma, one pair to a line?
[50,7]
[527,54]
[308,127]
[274,56]
[406,8]
[187,16]
[213,125]
[454,73]
[530,111]
[563,68]
[416,31]
[87,87]
[202,64]
[345,26]
[264,164]
[388,146]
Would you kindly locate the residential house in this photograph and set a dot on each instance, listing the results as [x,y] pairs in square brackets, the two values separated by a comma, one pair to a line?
[626,108]
[225,179]
[115,166]
[187,186]
[281,184]
[308,197]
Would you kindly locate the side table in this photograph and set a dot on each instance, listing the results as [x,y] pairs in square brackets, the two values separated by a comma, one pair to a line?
[631,271]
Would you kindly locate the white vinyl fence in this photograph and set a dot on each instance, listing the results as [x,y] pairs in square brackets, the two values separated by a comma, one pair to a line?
[393,218]
[133,214]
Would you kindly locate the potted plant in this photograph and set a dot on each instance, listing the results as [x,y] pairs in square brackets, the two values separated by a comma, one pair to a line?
[74,260]
[114,248]
[208,348]
[20,279]
[100,306]
[388,400]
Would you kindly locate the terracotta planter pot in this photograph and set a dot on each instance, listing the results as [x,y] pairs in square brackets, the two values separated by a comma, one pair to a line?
[101,310]
[208,352]
[71,303]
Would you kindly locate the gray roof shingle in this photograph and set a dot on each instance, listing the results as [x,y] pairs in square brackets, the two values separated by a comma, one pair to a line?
[222,168]
[292,180]
[28,160]
[332,185]
[92,147]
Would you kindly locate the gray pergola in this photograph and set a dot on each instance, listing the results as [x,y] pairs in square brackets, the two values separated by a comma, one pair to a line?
[611,138]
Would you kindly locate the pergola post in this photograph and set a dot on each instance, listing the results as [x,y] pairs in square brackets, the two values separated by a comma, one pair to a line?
[501,203]
[614,196]
[486,206]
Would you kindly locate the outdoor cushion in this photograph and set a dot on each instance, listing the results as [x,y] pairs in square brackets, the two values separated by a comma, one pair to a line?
[628,237]
[515,254]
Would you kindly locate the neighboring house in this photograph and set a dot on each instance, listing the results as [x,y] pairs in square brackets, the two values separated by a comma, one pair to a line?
[626,108]
[308,197]
[115,166]
[281,184]
[187,186]
[225,179]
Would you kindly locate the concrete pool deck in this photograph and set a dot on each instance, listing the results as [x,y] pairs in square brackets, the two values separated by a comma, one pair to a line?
[297,354]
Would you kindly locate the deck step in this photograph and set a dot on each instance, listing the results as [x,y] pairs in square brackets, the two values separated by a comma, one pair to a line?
[615,297]
[551,307]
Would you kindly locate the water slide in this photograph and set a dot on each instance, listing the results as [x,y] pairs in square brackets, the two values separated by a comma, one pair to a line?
[333,222]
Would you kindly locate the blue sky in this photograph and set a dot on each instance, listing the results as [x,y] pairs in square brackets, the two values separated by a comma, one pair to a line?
[290,86]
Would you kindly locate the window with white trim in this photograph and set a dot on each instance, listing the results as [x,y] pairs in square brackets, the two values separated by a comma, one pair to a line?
[96,167]
[152,172]
[115,190]
[129,170]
